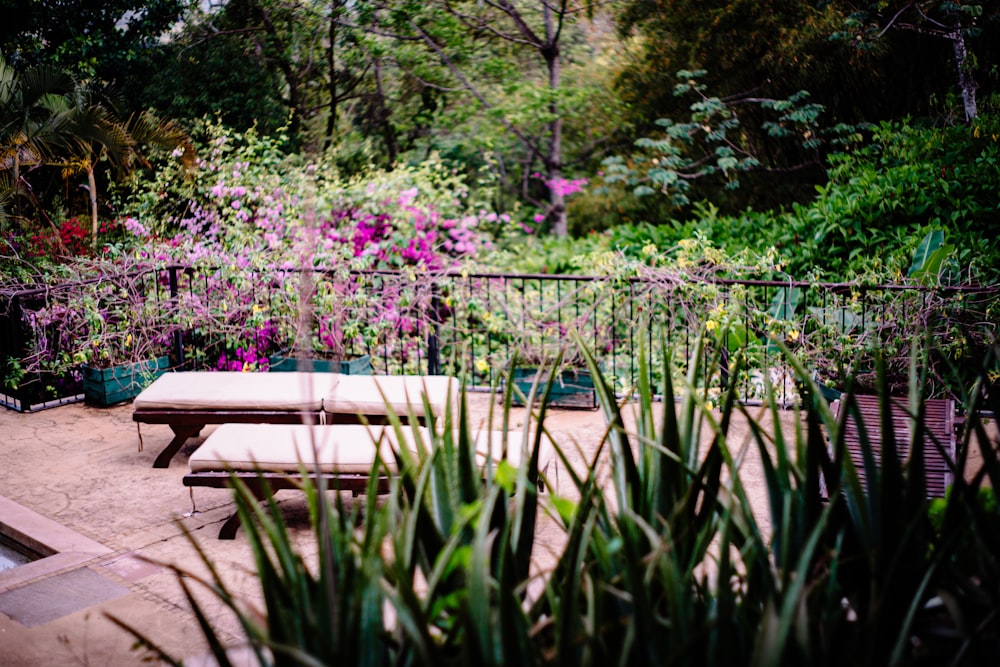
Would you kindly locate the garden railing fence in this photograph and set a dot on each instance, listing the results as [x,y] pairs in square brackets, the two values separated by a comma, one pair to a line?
[474,324]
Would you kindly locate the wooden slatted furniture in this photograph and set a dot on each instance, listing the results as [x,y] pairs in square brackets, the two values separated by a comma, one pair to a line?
[939,423]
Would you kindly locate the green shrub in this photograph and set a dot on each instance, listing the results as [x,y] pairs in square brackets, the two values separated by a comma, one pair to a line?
[905,180]
[666,562]
[880,200]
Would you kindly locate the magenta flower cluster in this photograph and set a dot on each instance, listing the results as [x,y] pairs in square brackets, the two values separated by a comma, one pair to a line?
[412,235]
[239,226]
[254,355]
[558,186]
[564,187]
[250,224]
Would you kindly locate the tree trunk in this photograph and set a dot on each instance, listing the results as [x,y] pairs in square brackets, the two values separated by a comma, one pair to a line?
[292,77]
[966,80]
[557,197]
[92,184]
[383,117]
[331,66]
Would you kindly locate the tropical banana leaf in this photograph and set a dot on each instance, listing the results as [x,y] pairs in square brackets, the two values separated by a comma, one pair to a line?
[929,257]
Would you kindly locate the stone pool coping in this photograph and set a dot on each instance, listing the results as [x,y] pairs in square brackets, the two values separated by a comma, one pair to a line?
[60,547]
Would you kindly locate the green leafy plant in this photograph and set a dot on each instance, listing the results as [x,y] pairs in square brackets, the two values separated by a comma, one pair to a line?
[712,142]
[667,559]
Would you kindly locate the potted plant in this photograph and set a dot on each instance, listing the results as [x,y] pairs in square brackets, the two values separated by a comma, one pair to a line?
[556,360]
[121,334]
[325,340]
[531,326]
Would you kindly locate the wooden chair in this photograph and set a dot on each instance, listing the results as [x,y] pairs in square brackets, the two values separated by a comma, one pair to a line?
[939,424]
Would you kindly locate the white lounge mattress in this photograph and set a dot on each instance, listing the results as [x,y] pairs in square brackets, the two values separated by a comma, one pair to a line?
[207,390]
[369,394]
[343,449]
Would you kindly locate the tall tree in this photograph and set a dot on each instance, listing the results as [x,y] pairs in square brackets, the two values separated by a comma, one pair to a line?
[956,23]
[494,52]
[29,128]
[48,119]
[96,129]
[748,49]
[95,38]
[291,64]
[484,84]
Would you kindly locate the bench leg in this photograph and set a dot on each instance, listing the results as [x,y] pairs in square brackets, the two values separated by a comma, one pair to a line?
[229,528]
[232,524]
[181,435]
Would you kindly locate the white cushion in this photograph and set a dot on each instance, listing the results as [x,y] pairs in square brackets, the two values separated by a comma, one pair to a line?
[207,390]
[369,394]
[345,449]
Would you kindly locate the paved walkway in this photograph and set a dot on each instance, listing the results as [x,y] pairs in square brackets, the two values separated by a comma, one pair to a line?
[80,468]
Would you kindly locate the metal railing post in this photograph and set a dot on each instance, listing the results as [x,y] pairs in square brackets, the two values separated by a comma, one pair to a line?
[178,336]
[434,333]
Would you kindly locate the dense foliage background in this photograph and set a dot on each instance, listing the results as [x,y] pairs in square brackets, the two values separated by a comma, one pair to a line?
[834,132]
[197,178]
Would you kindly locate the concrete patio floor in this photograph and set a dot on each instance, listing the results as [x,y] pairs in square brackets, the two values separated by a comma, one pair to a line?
[79,468]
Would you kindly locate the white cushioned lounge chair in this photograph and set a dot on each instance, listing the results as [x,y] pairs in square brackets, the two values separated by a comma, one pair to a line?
[272,457]
[188,401]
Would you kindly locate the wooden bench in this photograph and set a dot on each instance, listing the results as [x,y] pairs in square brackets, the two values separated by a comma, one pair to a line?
[272,457]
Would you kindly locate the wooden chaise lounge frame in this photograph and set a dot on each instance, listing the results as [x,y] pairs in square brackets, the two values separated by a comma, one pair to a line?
[939,424]
[188,401]
[271,457]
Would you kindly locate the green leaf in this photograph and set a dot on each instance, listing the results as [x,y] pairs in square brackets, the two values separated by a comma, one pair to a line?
[506,476]
[926,254]
[785,302]
[565,508]
[931,271]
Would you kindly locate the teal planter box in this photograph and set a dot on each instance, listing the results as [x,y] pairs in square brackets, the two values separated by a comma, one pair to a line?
[357,366]
[572,388]
[829,393]
[103,387]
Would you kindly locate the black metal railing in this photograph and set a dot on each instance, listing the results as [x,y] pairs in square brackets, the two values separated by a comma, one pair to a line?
[473,324]
[834,327]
